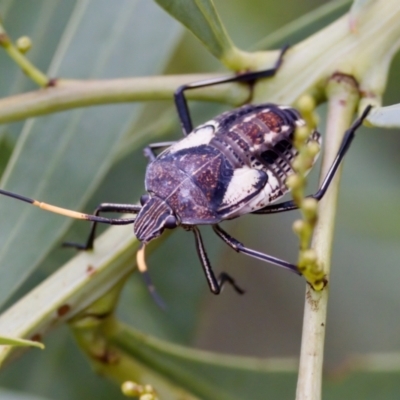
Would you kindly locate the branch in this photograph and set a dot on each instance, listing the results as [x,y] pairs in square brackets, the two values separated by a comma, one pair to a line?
[65,94]
[342,93]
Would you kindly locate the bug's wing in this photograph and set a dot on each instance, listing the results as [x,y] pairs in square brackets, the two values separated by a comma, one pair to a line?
[245,184]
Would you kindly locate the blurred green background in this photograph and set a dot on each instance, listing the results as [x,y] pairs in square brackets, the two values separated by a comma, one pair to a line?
[75,158]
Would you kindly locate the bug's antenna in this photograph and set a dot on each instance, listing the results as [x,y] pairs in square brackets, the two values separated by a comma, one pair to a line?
[142,267]
[67,212]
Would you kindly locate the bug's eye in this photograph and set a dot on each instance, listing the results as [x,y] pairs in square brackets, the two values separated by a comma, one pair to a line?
[144,199]
[170,222]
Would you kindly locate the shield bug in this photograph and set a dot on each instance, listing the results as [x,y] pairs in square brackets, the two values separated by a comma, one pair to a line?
[234,164]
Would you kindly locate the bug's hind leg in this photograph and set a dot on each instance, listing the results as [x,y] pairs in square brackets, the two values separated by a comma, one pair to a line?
[215,284]
[240,248]
[181,101]
[346,142]
[106,207]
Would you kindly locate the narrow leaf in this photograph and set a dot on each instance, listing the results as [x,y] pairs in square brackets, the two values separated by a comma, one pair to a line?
[61,159]
[201,18]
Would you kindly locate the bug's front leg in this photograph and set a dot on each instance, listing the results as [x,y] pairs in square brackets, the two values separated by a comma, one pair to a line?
[215,284]
[181,101]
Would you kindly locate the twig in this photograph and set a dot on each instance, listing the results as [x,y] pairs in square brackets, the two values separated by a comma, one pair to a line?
[27,67]
[342,93]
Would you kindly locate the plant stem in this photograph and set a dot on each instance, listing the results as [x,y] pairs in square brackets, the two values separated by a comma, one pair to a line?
[342,93]
[67,94]
[27,67]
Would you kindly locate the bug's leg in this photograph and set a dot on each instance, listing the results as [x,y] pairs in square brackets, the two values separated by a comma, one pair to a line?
[346,142]
[240,248]
[181,102]
[75,214]
[149,151]
[105,207]
[215,284]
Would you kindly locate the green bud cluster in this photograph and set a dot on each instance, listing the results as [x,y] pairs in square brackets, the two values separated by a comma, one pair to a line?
[308,262]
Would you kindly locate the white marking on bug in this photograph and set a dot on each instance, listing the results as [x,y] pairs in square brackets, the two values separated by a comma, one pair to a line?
[249,118]
[242,184]
[201,135]
[269,138]
[273,183]
[285,128]
[259,201]
[272,191]
[300,122]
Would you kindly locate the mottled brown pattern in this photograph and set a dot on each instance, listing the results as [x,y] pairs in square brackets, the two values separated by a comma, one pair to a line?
[163,177]
[190,204]
[252,131]
[271,120]
[236,138]
[186,185]
[207,177]
[190,163]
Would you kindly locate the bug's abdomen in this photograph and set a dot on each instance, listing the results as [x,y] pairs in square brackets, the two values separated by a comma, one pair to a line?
[261,137]
[258,138]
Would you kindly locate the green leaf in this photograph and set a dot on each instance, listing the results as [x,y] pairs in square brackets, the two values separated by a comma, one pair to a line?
[62,159]
[59,373]
[5,340]
[78,284]
[385,117]
[202,19]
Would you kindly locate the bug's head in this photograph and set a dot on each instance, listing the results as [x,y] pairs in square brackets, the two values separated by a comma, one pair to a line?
[154,216]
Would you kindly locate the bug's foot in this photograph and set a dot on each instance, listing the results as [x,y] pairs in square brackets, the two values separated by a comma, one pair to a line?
[238,289]
[225,278]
